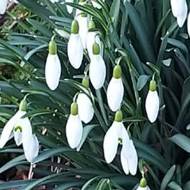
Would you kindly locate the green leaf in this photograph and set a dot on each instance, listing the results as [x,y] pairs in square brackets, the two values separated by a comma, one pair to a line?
[142,80]
[114,12]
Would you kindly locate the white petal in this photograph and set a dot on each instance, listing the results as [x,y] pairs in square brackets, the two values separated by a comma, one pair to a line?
[18,137]
[96,5]
[75,50]
[54,1]
[3,6]
[124,162]
[152,105]
[179,10]
[111,141]
[115,93]
[69,8]
[32,151]
[143,188]
[83,29]
[92,37]
[188,24]
[52,71]
[85,108]
[7,130]
[97,71]
[74,130]
[27,137]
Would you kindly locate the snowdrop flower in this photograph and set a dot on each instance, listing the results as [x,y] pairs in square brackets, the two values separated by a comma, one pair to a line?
[21,129]
[74,47]
[53,67]
[3,6]
[97,5]
[69,8]
[115,89]
[92,37]
[74,127]
[83,28]
[152,102]
[54,1]
[85,107]
[97,69]
[143,185]
[179,10]
[118,134]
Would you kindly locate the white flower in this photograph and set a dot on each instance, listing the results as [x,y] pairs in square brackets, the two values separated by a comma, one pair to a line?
[69,8]
[117,134]
[85,108]
[97,69]
[74,129]
[152,102]
[83,28]
[115,90]
[74,47]
[52,71]
[3,6]
[188,24]
[179,10]
[96,5]
[22,130]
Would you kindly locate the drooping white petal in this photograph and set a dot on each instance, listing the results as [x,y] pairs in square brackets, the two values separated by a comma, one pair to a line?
[124,162]
[18,137]
[143,188]
[188,24]
[152,105]
[3,6]
[111,141]
[7,130]
[179,10]
[27,137]
[96,5]
[97,71]
[69,8]
[74,130]
[92,37]
[83,29]
[75,50]
[115,93]
[85,108]
[52,71]
[32,152]
[54,1]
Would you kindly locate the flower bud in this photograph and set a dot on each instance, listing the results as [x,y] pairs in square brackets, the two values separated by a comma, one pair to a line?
[23,105]
[96,49]
[74,27]
[117,72]
[52,47]
[119,116]
[91,25]
[152,86]
[74,108]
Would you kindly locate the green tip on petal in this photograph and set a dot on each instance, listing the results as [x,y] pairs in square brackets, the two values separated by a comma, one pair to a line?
[143,182]
[82,1]
[152,86]
[18,128]
[96,49]
[119,116]
[52,47]
[83,15]
[91,25]
[85,82]
[23,105]
[75,27]
[74,108]
[117,72]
